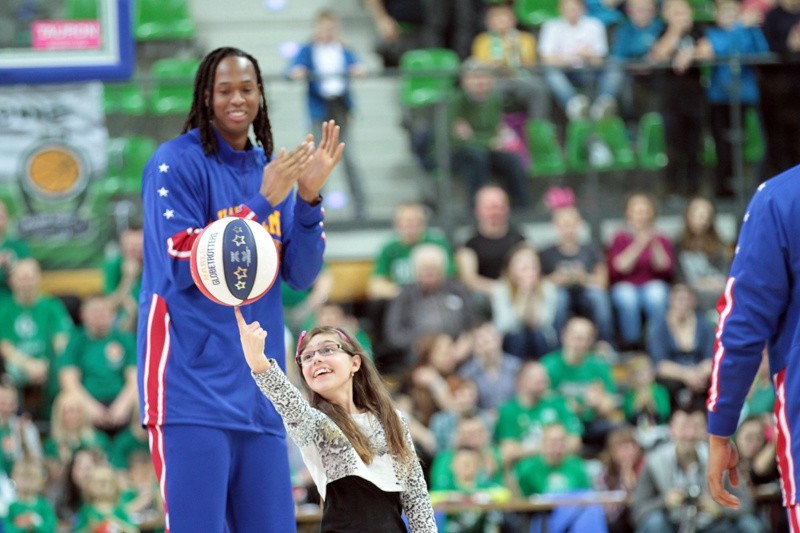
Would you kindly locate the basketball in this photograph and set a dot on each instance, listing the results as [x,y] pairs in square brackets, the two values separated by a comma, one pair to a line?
[234,261]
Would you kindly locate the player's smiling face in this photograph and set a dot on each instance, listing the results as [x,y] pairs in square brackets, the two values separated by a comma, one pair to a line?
[235,99]
[327,368]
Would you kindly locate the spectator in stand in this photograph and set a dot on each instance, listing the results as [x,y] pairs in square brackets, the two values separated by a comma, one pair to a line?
[34,329]
[131,440]
[19,436]
[443,423]
[646,403]
[577,268]
[327,65]
[557,471]
[760,399]
[512,53]
[31,511]
[71,429]
[493,371]
[393,266]
[99,363]
[684,124]
[641,262]
[341,316]
[102,509]
[755,442]
[300,306]
[122,278]
[585,380]
[703,259]
[609,12]
[434,303]
[622,461]
[681,344]
[482,144]
[12,249]
[571,47]
[403,25]
[632,42]
[471,433]
[426,382]
[781,85]
[524,305]
[141,496]
[67,492]
[521,420]
[672,493]
[737,35]
[480,260]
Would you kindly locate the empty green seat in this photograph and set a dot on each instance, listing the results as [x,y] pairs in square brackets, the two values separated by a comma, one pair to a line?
[703,10]
[534,13]
[80,9]
[427,75]
[754,145]
[651,144]
[547,157]
[125,98]
[163,20]
[614,134]
[577,145]
[127,157]
[172,81]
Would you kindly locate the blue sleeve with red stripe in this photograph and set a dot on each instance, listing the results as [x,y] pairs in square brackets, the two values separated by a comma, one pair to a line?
[303,245]
[751,309]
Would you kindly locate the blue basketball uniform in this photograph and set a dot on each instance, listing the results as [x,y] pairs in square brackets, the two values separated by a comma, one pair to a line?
[191,370]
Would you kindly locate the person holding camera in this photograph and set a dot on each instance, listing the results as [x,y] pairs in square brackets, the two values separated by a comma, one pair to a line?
[672,494]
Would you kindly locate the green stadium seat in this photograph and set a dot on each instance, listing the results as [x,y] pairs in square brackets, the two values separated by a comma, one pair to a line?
[651,144]
[125,98]
[127,157]
[703,10]
[754,144]
[614,134]
[80,9]
[163,20]
[578,133]
[533,13]
[172,85]
[547,157]
[708,156]
[427,76]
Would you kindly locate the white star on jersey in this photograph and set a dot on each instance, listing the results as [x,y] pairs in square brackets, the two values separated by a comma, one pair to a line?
[163,167]
[162,192]
[746,216]
[761,187]
[169,213]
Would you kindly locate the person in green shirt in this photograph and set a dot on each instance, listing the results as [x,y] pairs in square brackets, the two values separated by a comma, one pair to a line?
[34,329]
[122,277]
[31,512]
[12,250]
[99,363]
[103,510]
[129,441]
[393,268]
[19,436]
[585,380]
[481,143]
[646,404]
[521,420]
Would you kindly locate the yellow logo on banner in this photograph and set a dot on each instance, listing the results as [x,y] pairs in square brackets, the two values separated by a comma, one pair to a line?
[54,171]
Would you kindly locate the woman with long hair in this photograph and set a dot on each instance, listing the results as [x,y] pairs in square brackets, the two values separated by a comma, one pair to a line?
[354,442]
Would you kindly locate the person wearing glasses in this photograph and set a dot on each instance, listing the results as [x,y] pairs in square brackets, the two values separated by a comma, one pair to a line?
[354,442]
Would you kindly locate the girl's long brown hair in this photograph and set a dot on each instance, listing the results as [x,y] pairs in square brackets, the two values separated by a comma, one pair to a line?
[369,394]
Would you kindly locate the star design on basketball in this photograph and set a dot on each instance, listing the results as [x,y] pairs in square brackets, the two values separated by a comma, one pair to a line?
[163,168]
[238,229]
[240,273]
[162,192]
[241,285]
[169,213]
[238,240]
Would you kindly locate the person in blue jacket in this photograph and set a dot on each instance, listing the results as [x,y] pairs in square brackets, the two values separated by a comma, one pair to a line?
[218,447]
[327,65]
[760,307]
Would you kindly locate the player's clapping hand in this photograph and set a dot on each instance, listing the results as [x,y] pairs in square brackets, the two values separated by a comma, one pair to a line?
[253,338]
[284,170]
[328,154]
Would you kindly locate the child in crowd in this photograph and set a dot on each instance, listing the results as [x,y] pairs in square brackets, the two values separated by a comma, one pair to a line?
[19,436]
[327,64]
[31,512]
[122,278]
[355,443]
[102,510]
[141,496]
[622,461]
[735,33]
[479,135]
[646,403]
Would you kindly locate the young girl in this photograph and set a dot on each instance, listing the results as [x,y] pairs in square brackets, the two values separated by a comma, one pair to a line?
[358,449]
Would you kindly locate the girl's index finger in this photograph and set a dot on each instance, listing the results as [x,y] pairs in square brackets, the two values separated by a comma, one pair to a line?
[239,317]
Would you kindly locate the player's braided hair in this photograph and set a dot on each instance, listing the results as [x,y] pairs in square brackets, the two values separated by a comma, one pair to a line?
[201,113]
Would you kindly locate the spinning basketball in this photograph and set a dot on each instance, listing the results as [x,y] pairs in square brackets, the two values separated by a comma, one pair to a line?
[234,261]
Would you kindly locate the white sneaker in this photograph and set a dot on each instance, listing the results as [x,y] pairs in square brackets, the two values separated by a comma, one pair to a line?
[577,107]
[600,155]
[605,106]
